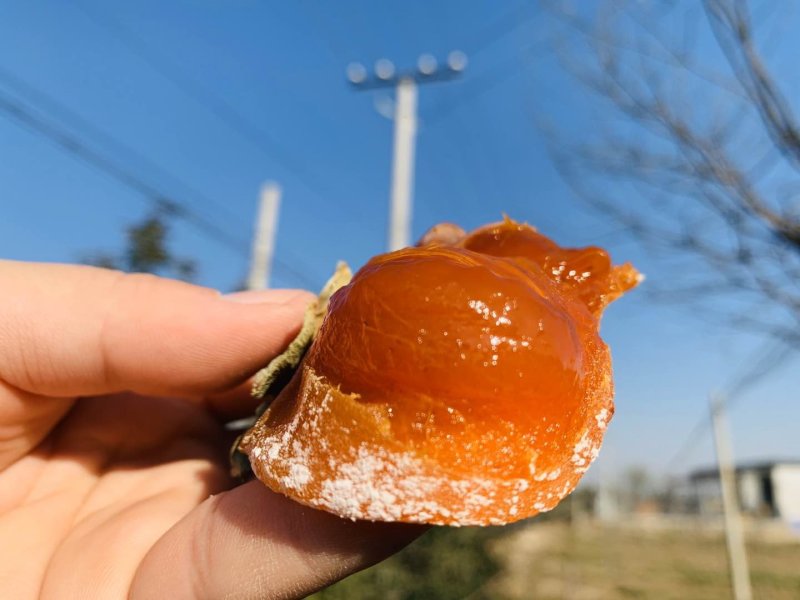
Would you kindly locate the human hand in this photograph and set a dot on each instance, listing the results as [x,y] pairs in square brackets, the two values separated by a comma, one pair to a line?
[113,460]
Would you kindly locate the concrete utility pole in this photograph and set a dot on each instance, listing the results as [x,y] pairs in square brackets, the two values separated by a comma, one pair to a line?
[264,239]
[405,133]
[405,127]
[734,535]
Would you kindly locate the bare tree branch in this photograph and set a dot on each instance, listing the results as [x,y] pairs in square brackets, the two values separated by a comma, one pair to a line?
[702,163]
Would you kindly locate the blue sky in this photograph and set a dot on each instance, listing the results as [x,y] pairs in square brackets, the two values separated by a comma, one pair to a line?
[276,70]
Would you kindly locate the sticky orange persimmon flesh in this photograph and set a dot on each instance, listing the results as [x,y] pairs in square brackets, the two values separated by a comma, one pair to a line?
[458,383]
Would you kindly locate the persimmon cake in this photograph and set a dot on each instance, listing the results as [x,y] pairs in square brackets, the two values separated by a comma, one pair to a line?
[459,382]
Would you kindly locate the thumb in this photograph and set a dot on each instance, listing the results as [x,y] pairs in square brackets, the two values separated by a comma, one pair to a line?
[253,543]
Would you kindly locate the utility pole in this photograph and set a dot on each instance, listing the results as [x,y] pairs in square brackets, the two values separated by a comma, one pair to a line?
[734,535]
[405,133]
[264,238]
[405,127]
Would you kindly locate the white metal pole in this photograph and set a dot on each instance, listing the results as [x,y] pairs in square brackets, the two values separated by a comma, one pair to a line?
[734,535]
[264,239]
[405,129]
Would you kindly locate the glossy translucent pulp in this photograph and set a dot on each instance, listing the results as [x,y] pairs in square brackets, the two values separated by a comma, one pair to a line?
[494,333]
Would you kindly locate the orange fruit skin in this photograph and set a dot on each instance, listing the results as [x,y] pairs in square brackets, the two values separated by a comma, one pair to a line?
[463,382]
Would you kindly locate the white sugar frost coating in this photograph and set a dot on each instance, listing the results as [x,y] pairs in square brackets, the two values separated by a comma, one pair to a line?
[298,476]
[382,486]
[375,482]
[585,452]
[602,418]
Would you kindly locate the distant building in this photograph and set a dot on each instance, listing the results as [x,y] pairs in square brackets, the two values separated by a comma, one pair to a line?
[765,489]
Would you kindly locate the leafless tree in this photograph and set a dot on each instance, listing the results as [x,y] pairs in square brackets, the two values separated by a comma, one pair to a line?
[696,149]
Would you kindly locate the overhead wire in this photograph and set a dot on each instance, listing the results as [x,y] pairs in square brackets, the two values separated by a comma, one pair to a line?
[71,144]
[478,86]
[215,103]
[774,357]
[63,113]
[336,49]
[763,361]
[494,31]
[466,165]
[22,114]
[331,43]
[474,87]
[479,41]
[475,44]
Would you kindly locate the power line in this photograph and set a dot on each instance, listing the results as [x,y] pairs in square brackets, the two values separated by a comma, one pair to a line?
[696,434]
[332,45]
[477,43]
[71,144]
[766,359]
[774,357]
[200,93]
[53,106]
[507,23]
[473,87]
[477,86]
[471,90]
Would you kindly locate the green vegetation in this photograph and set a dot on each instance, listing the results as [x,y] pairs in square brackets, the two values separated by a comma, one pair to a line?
[549,559]
[445,564]
[147,250]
